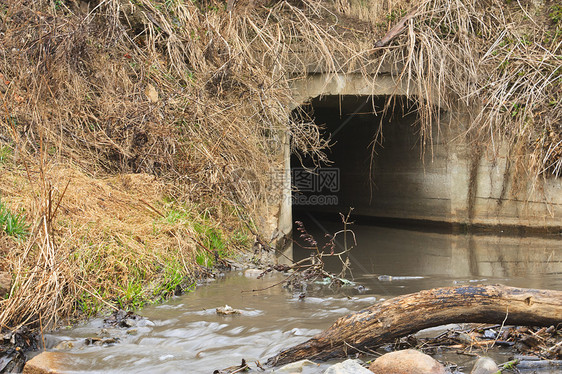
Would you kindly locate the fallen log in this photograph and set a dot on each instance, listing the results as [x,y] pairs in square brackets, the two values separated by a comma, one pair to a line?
[403,315]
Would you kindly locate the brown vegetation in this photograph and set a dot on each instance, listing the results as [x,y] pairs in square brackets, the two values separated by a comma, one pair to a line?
[91,241]
[193,99]
[95,91]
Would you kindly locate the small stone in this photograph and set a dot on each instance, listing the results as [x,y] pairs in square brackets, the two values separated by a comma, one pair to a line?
[227,310]
[132,331]
[485,365]
[67,345]
[110,341]
[64,345]
[295,367]
[129,322]
[252,273]
[92,341]
[347,367]
[408,361]
[103,332]
[142,322]
[44,363]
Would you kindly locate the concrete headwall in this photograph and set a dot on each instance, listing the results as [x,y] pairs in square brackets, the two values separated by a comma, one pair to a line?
[449,180]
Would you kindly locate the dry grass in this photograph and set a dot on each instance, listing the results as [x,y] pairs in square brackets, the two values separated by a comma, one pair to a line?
[172,90]
[171,114]
[498,63]
[95,242]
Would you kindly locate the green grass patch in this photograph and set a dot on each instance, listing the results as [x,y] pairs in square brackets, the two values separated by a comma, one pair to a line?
[130,274]
[13,224]
[555,14]
[174,279]
[132,296]
[89,305]
[5,154]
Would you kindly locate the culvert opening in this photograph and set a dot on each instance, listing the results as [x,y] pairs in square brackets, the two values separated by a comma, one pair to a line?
[392,186]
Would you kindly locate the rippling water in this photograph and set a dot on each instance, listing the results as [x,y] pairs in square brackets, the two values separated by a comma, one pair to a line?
[187,336]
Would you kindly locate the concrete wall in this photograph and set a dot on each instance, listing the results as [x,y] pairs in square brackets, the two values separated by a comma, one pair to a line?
[450,181]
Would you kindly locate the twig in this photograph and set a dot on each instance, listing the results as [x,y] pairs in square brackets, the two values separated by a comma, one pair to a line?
[368,352]
[243,368]
[271,286]
[153,208]
[501,327]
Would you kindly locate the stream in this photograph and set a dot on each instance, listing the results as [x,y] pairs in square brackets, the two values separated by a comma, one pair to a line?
[185,335]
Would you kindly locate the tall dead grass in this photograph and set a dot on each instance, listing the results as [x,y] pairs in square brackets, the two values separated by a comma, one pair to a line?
[497,63]
[169,89]
[94,243]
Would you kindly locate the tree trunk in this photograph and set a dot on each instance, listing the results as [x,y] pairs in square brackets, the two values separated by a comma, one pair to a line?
[403,315]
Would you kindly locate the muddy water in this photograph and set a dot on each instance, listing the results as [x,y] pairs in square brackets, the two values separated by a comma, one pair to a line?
[416,259]
[187,336]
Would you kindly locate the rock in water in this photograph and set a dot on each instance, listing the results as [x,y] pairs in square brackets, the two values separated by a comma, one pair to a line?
[347,367]
[252,273]
[227,310]
[408,361]
[485,365]
[44,363]
[296,367]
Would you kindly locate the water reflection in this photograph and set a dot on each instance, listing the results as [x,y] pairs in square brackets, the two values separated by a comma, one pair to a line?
[444,259]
